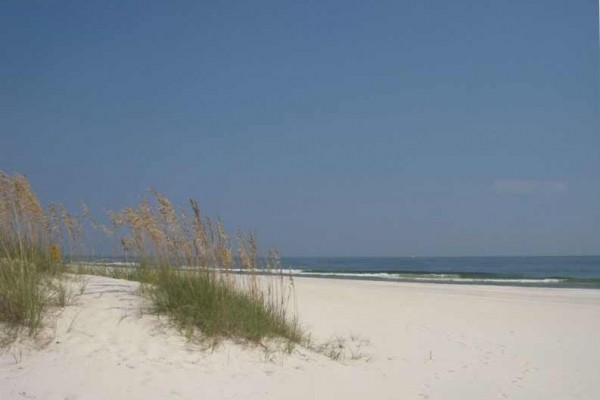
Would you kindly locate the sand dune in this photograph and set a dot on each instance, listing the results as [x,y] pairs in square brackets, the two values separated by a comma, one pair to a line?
[402,341]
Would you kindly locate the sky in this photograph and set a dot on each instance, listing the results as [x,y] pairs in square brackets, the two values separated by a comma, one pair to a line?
[327,128]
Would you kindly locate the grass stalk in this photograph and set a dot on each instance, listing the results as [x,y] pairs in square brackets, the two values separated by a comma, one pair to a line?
[187,266]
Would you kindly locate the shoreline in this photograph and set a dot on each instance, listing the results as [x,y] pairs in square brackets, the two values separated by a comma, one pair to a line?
[499,281]
[403,340]
[445,278]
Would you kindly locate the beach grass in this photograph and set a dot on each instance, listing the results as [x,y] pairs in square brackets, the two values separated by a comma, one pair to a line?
[217,308]
[23,296]
[190,272]
[212,305]
[187,265]
[28,271]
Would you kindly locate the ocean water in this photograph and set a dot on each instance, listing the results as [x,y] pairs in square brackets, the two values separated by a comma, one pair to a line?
[564,271]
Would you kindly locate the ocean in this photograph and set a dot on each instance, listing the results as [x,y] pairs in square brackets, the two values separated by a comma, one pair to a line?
[542,271]
[550,271]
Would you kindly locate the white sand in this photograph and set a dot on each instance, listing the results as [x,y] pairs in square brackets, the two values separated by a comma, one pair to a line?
[426,342]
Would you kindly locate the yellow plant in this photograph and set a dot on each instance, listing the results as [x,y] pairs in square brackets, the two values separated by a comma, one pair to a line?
[55,253]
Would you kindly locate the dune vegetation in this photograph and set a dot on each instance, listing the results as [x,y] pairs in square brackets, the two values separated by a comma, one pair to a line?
[30,264]
[186,264]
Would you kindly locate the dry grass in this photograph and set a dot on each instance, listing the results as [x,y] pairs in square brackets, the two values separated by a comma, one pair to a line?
[27,262]
[191,273]
[188,265]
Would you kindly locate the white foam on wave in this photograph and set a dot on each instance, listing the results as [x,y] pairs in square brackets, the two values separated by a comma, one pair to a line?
[106,263]
[508,280]
[436,278]
[285,271]
[428,278]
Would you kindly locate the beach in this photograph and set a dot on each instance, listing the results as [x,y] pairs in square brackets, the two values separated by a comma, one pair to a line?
[397,340]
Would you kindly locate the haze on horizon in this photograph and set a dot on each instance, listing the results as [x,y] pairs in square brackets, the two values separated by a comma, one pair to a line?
[327,128]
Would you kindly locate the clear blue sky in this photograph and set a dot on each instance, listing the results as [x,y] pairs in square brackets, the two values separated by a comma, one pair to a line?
[384,128]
